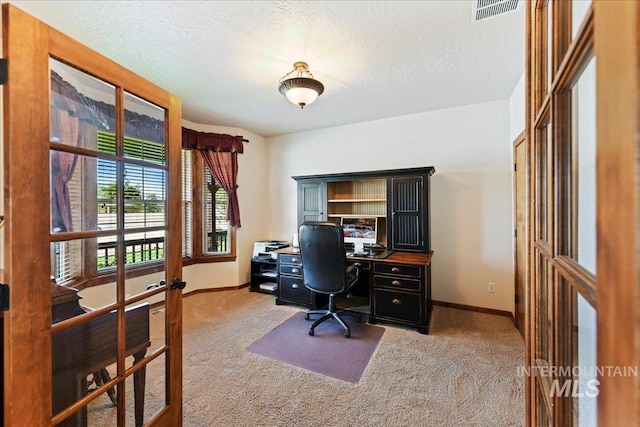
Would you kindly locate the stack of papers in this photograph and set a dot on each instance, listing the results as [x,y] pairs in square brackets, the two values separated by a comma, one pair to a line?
[269,286]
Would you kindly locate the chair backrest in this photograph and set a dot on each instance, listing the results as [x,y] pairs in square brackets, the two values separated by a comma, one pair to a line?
[323,256]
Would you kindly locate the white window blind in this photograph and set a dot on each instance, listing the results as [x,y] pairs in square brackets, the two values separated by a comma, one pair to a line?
[215,227]
[187,204]
[144,200]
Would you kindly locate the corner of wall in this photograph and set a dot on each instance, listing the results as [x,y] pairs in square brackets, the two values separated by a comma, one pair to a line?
[253,196]
[517,109]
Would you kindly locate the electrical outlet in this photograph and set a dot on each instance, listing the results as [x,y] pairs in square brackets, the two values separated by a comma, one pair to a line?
[492,287]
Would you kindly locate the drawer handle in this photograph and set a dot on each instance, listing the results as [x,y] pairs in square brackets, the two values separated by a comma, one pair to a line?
[396,282]
[395,270]
[295,286]
[396,301]
[295,270]
[294,259]
[357,264]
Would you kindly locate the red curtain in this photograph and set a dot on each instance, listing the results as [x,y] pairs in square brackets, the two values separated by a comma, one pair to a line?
[224,169]
[220,154]
[65,129]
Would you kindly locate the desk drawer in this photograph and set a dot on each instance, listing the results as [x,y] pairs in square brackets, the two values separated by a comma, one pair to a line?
[362,265]
[397,282]
[397,305]
[397,269]
[295,270]
[292,289]
[290,259]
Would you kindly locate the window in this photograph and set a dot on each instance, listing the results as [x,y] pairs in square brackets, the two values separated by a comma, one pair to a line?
[144,195]
[207,235]
[187,204]
[144,201]
[116,188]
[215,226]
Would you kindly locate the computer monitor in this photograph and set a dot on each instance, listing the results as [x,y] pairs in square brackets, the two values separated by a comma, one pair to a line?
[360,230]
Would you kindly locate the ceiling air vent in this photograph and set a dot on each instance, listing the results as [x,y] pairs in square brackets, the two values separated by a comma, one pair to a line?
[487,8]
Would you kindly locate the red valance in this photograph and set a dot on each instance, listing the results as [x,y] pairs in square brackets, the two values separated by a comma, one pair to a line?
[194,140]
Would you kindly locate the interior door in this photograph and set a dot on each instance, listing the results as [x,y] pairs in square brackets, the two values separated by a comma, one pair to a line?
[92,183]
[520,198]
[582,124]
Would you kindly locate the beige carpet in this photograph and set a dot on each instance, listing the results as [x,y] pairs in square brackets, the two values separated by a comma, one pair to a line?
[463,374]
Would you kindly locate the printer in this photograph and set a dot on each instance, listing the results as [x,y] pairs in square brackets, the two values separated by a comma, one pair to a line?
[265,249]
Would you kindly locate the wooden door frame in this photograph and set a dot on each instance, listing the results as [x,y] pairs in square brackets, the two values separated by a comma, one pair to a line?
[618,206]
[524,245]
[28,43]
[27,380]
[616,27]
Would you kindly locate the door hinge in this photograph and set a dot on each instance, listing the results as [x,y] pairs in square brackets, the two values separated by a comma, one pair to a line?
[515,232]
[515,299]
[515,167]
[3,71]
[4,297]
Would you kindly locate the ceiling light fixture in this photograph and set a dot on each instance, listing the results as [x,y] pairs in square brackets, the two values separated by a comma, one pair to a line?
[298,89]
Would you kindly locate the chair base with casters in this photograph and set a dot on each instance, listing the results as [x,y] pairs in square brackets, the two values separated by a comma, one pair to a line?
[332,312]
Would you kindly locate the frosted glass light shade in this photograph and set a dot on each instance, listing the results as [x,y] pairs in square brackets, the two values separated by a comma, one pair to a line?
[301,90]
[301,96]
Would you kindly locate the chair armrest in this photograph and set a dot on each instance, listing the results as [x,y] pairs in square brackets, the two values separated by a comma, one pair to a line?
[351,275]
[351,268]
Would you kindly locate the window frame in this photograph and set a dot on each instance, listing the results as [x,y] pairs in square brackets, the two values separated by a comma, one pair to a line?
[198,256]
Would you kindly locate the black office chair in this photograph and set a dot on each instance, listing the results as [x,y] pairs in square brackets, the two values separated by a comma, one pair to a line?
[325,269]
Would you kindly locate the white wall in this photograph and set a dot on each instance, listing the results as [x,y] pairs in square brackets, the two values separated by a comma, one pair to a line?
[471,200]
[516,109]
[253,196]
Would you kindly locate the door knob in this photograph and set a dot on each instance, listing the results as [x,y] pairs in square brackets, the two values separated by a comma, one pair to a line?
[177,284]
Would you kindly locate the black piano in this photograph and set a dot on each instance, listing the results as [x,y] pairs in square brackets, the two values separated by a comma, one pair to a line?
[88,348]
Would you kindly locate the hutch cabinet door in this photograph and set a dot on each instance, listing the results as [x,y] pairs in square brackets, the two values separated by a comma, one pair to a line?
[405,204]
[312,201]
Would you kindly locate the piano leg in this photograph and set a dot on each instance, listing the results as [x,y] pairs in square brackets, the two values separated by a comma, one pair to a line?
[139,379]
[105,378]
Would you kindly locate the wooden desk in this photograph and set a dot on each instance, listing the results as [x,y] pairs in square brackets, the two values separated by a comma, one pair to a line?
[90,346]
[399,286]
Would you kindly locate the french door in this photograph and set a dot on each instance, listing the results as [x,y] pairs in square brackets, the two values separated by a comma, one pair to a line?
[92,198]
[583,119]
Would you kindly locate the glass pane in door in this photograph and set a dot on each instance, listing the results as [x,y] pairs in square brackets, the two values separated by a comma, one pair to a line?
[144,196]
[543,136]
[583,96]
[585,334]
[82,108]
[154,390]
[579,9]
[144,133]
[544,305]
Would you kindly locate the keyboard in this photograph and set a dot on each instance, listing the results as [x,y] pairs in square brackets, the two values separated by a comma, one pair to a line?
[369,254]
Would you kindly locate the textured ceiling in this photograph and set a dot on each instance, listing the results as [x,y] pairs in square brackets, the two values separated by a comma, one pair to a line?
[376,59]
